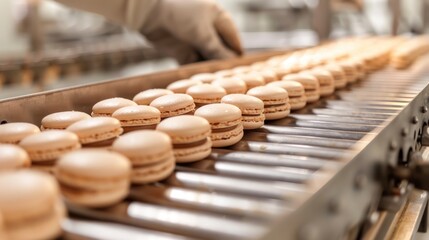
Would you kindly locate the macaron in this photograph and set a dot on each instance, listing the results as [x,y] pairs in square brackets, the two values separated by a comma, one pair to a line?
[94,177]
[105,108]
[14,132]
[340,78]
[252,109]
[204,77]
[252,79]
[190,136]
[205,94]
[147,96]
[224,73]
[13,157]
[182,85]
[310,83]
[296,92]
[61,120]
[275,99]
[225,122]
[150,153]
[231,84]
[242,69]
[174,105]
[326,80]
[97,132]
[30,204]
[46,147]
[350,71]
[138,117]
[268,75]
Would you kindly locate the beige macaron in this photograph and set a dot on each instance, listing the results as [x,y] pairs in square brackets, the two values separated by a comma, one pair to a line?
[350,70]
[275,99]
[94,177]
[252,79]
[190,136]
[310,83]
[97,132]
[296,92]
[48,146]
[326,80]
[224,73]
[182,85]
[204,77]
[252,109]
[268,75]
[61,120]
[174,105]
[147,96]
[13,157]
[14,132]
[31,205]
[138,117]
[231,84]
[150,152]
[105,108]
[340,78]
[225,121]
[206,93]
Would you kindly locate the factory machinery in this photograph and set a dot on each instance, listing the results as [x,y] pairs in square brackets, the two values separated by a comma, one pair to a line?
[352,166]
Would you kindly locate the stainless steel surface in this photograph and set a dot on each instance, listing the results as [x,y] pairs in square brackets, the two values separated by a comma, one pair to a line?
[314,175]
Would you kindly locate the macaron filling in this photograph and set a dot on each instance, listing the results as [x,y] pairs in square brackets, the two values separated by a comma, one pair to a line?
[178,111]
[226,133]
[190,145]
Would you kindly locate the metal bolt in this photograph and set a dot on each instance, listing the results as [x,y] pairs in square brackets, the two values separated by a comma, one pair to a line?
[415,120]
[393,145]
[424,109]
[360,181]
[404,132]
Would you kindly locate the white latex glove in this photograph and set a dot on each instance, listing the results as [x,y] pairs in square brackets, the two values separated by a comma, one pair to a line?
[189,30]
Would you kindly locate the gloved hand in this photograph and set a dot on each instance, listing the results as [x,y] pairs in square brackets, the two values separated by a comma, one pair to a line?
[189,30]
[192,30]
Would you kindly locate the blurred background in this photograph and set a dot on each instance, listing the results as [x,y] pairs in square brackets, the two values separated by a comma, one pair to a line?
[45,46]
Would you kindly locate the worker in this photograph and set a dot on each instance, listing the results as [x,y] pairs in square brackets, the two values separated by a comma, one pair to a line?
[189,30]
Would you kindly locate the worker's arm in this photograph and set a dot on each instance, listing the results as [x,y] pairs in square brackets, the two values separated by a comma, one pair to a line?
[187,30]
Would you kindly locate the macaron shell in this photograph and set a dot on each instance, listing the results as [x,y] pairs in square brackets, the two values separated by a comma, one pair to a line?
[312,96]
[269,94]
[137,115]
[108,106]
[50,145]
[220,115]
[193,154]
[326,90]
[147,96]
[13,157]
[182,85]
[61,120]
[15,206]
[153,173]
[94,166]
[246,103]
[144,147]
[204,77]
[96,129]
[185,129]
[46,227]
[293,88]
[252,80]
[206,93]
[14,132]
[231,84]
[309,82]
[95,199]
[174,104]
[229,138]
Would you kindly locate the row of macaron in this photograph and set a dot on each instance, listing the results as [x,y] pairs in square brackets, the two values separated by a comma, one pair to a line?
[99,177]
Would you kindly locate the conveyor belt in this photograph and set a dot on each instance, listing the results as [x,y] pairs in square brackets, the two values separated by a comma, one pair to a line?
[267,184]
